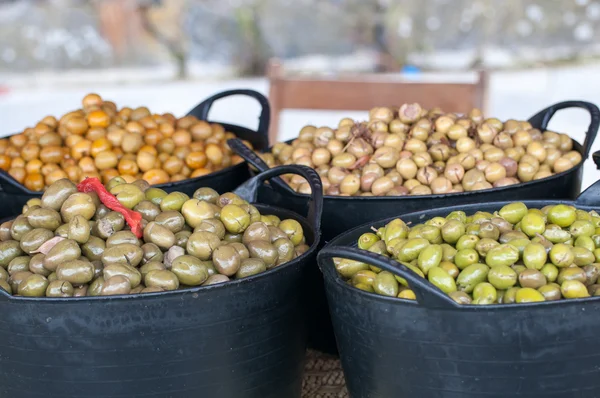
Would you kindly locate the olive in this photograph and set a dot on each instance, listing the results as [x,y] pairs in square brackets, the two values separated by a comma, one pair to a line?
[34,286]
[128,194]
[64,251]
[550,271]
[263,250]
[503,254]
[561,255]
[562,215]
[386,284]
[19,264]
[471,276]
[32,240]
[249,267]
[181,238]
[173,201]
[202,244]
[44,218]
[125,253]
[532,278]
[442,280]
[234,218]
[59,288]
[121,237]
[93,248]
[57,193]
[213,225]
[571,273]
[116,285]
[502,277]
[227,260]
[206,194]
[551,292]
[190,270]
[528,295]
[108,225]
[159,235]
[172,220]
[79,229]
[95,288]
[154,195]
[147,209]
[216,279]
[484,294]
[133,275]
[429,257]
[241,249]
[460,297]
[573,289]
[78,204]
[19,227]
[151,266]
[77,272]
[163,279]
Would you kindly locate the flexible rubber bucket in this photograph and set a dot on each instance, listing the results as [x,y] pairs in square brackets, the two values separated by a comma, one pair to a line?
[435,348]
[242,339]
[14,195]
[343,213]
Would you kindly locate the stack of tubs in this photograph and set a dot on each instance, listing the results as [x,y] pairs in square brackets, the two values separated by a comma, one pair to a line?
[247,338]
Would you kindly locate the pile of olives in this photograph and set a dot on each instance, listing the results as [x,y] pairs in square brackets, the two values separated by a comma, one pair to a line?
[101,141]
[69,244]
[516,255]
[413,151]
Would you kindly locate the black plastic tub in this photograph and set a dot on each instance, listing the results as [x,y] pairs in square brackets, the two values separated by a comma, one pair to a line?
[435,348]
[13,194]
[242,339]
[343,213]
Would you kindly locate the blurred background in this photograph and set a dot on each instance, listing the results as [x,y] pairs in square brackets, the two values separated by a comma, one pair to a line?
[171,54]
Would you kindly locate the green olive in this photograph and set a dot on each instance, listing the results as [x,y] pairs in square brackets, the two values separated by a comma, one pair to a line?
[159,235]
[76,272]
[386,284]
[571,274]
[164,279]
[147,209]
[57,193]
[411,249]
[562,215]
[466,257]
[573,289]
[263,250]
[59,288]
[592,272]
[81,204]
[582,228]
[121,237]
[173,201]
[561,255]
[234,218]
[429,257]
[585,242]
[484,294]
[533,224]
[227,260]
[19,228]
[132,274]
[534,256]
[216,279]
[172,220]
[582,256]
[556,234]
[125,253]
[551,292]
[34,286]
[285,250]
[483,246]
[116,285]
[441,279]
[528,295]
[155,195]
[467,242]
[452,231]
[503,254]
[213,225]
[257,231]
[35,238]
[108,225]
[182,237]
[64,251]
[79,229]
[461,297]
[95,288]
[190,270]
[513,212]
[93,248]
[206,194]
[550,271]
[202,244]
[250,267]
[532,278]
[502,277]
[510,295]
[44,218]
[471,276]
[347,268]
[128,194]
[293,230]
[151,266]
[19,264]
[367,240]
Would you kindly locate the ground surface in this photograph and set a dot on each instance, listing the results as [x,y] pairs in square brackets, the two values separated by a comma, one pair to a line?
[512,95]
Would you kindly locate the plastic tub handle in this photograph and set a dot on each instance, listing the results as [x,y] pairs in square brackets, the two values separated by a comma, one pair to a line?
[201,111]
[249,189]
[543,117]
[427,294]
[591,196]
[251,157]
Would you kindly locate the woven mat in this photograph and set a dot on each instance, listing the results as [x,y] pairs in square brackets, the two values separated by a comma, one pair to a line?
[323,377]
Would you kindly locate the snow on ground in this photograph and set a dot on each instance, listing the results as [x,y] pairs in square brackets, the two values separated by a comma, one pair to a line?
[514,94]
